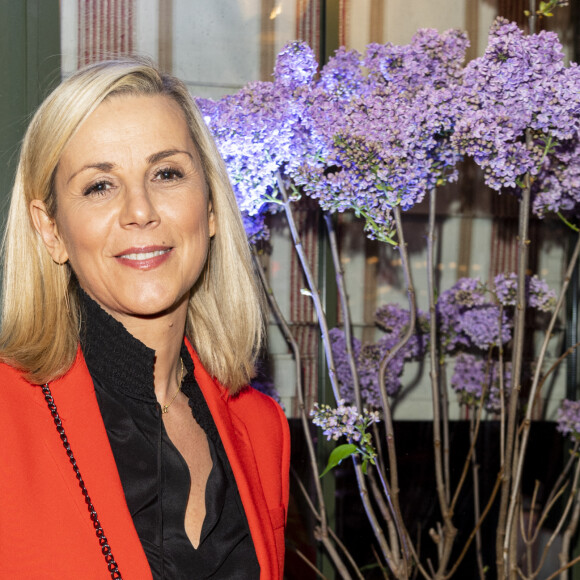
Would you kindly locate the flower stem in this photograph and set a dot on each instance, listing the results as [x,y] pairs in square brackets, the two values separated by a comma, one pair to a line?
[390,434]
[536,381]
[344,305]
[312,286]
[505,551]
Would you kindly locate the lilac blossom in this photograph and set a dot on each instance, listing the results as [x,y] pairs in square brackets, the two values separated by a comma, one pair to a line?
[343,421]
[261,130]
[394,320]
[346,421]
[469,312]
[341,362]
[480,325]
[557,188]
[381,139]
[254,131]
[538,295]
[295,66]
[468,317]
[255,227]
[475,377]
[464,296]
[429,59]
[378,130]
[342,77]
[568,419]
[519,84]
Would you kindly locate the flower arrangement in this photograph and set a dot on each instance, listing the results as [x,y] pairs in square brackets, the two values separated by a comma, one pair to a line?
[376,134]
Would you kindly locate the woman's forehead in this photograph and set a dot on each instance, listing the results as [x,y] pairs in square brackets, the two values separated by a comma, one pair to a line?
[129,126]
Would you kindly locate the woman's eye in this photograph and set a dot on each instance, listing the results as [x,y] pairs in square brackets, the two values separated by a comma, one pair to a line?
[168,174]
[97,188]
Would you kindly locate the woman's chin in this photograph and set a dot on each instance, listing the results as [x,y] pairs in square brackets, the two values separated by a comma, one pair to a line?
[144,306]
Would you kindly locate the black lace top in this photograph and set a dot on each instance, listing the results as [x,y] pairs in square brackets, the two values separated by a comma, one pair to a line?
[154,475]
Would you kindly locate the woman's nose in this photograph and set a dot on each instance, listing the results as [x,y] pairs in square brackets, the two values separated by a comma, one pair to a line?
[138,207]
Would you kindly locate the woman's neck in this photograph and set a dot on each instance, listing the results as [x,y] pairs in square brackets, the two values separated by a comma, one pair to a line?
[163,334]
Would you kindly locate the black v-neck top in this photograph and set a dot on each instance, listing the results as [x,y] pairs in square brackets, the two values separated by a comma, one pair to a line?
[154,475]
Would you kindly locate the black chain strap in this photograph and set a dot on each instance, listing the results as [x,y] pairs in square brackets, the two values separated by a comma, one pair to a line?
[103,542]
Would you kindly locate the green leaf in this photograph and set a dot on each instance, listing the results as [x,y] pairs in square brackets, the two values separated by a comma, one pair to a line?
[365,464]
[337,455]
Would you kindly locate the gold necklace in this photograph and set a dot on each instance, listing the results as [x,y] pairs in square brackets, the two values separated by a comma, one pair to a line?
[165,408]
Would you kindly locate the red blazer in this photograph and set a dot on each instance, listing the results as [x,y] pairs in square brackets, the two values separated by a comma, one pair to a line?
[45,530]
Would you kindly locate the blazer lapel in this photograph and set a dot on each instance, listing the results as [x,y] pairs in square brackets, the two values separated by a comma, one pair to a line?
[243,462]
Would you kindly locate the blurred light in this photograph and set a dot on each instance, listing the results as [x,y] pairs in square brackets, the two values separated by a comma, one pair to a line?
[276,11]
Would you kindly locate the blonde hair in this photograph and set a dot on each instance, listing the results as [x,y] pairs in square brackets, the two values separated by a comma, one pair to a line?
[40,309]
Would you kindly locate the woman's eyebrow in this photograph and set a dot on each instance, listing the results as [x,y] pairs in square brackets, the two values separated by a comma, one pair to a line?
[104,166]
[167,153]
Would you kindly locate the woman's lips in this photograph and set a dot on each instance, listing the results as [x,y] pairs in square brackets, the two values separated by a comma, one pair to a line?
[144,258]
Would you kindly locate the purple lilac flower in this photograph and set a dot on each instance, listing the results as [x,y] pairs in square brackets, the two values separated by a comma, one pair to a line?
[295,66]
[368,358]
[472,374]
[538,295]
[464,295]
[569,419]
[378,141]
[394,320]
[341,362]
[342,76]
[344,421]
[255,227]
[519,83]
[481,326]
[434,59]
[261,130]
[557,188]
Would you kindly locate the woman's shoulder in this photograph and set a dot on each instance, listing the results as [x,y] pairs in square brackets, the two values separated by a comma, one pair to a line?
[17,393]
[10,378]
[254,405]
[263,418]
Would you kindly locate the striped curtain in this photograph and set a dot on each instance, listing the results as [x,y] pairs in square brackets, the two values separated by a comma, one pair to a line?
[105,29]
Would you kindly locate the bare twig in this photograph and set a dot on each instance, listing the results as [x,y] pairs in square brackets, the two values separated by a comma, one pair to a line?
[310,564]
[568,535]
[393,500]
[312,286]
[561,477]
[477,526]
[536,380]
[505,552]
[572,500]
[346,318]
[346,553]
[476,506]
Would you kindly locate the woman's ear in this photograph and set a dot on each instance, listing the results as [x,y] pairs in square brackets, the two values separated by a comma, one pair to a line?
[48,231]
[211,220]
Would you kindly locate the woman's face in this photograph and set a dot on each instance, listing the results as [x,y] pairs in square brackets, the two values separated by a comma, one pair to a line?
[133,216]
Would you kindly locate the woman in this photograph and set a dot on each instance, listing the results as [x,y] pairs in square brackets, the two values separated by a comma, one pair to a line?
[130,325]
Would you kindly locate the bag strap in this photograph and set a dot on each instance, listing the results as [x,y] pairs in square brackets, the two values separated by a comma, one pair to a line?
[103,542]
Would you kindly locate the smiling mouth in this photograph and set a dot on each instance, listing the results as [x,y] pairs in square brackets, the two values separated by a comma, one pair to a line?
[138,256]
